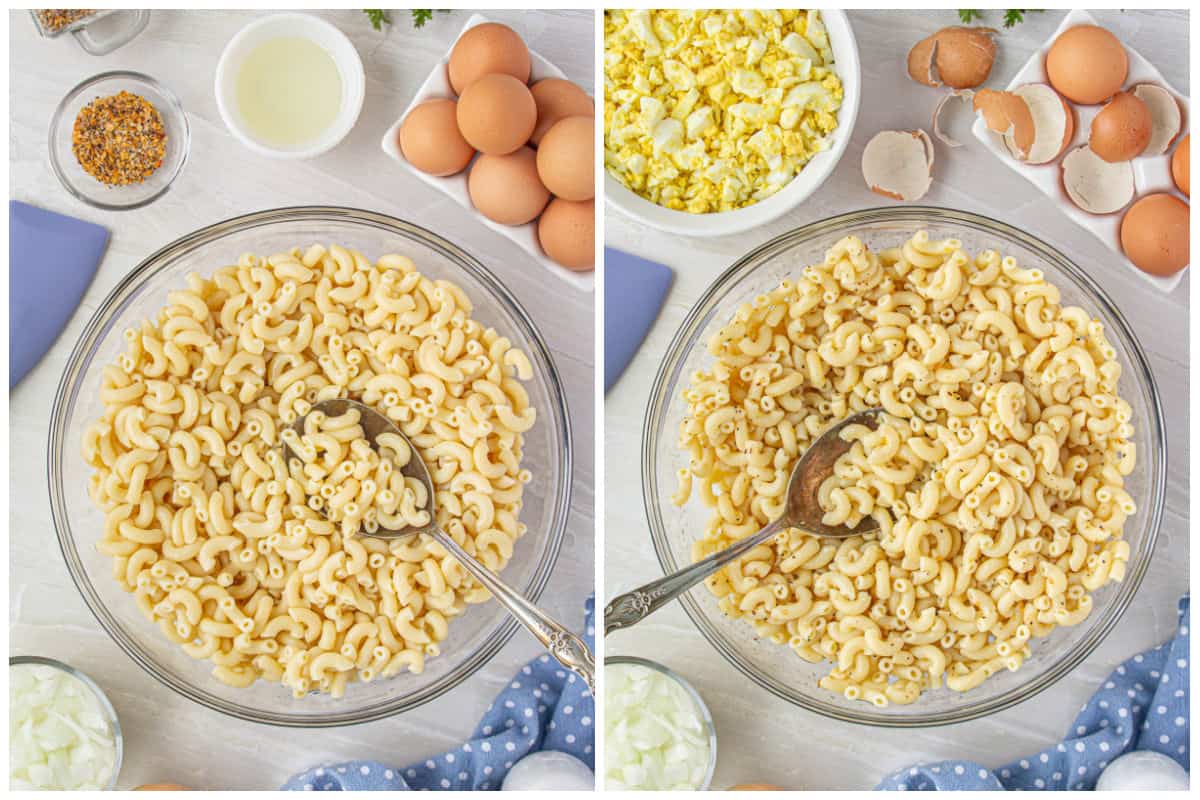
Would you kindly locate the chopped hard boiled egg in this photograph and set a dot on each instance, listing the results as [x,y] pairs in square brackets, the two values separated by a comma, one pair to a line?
[58,734]
[712,110]
[655,733]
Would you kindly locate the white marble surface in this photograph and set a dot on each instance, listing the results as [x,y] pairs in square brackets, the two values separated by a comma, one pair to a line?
[169,738]
[762,738]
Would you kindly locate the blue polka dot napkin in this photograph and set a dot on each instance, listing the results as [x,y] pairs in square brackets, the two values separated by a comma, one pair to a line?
[544,707]
[1142,706]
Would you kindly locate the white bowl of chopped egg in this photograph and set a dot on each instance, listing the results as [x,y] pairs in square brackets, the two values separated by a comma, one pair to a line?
[716,122]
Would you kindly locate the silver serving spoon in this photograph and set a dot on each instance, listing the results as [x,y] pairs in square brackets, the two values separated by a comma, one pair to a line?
[571,651]
[801,510]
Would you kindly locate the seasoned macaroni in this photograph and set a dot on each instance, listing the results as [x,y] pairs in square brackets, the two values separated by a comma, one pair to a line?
[215,535]
[996,474]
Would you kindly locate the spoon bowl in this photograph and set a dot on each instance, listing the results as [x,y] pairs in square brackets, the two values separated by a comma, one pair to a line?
[373,425]
[802,509]
[571,651]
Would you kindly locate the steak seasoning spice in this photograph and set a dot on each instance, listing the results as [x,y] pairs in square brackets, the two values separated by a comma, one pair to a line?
[119,139]
[54,20]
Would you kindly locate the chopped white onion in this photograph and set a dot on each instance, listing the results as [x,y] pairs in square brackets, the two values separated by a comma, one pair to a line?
[655,734]
[58,733]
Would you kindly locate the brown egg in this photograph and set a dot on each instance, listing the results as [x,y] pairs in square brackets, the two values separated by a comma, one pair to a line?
[566,159]
[567,232]
[1154,234]
[162,787]
[555,100]
[486,49]
[1087,64]
[1181,166]
[506,189]
[430,140]
[755,787]
[1121,131]
[496,114]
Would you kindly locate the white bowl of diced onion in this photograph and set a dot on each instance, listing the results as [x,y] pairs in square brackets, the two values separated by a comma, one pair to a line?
[801,187]
[63,732]
[659,734]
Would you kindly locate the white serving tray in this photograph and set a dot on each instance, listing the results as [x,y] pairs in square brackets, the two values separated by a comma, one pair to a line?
[1151,174]
[438,85]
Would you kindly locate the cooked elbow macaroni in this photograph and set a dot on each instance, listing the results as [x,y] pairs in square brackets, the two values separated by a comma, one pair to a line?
[996,473]
[347,481]
[215,535]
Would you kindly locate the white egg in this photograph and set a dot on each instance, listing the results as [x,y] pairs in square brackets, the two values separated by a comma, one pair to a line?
[1143,769]
[551,770]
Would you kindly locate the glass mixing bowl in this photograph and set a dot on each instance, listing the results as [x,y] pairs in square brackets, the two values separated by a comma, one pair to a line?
[776,668]
[475,636]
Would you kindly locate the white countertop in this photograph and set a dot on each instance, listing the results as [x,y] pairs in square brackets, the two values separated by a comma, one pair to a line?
[168,738]
[762,738]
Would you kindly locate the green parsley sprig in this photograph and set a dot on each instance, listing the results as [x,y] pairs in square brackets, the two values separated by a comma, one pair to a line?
[1012,16]
[378,17]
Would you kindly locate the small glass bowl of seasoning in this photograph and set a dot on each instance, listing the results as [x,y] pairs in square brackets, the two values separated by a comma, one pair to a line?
[98,31]
[63,730]
[659,734]
[118,140]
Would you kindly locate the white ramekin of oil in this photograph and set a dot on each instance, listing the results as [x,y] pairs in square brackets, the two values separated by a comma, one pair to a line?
[290,86]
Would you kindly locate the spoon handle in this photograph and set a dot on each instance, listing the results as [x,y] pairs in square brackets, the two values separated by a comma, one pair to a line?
[570,650]
[634,606]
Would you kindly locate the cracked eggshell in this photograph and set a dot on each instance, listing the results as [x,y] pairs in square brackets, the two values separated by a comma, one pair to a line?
[1007,114]
[899,164]
[1165,116]
[958,57]
[921,62]
[1121,131]
[1053,123]
[1095,185]
[945,138]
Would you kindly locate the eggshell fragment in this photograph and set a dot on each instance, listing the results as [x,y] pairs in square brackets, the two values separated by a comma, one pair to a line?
[958,57]
[1053,123]
[1121,131]
[1181,166]
[1095,185]
[1165,117]
[1154,234]
[921,62]
[945,138]
[1007,114]
[899,164]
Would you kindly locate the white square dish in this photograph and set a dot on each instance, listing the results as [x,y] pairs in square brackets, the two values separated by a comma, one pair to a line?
[1150,173]
[455,186]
